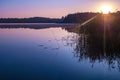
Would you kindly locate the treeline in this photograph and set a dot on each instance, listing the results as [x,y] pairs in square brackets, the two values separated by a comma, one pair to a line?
[78,17]
[30,20]
[70,18]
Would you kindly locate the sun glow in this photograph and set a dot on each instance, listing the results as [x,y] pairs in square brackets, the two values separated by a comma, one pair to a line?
[106,9]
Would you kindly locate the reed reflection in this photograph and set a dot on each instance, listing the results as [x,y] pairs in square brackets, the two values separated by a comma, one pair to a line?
[98,43]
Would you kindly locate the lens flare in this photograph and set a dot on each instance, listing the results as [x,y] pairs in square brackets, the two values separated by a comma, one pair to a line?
[106,9]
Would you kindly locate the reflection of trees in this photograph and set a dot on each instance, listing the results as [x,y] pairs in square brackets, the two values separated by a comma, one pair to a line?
[93,47]
[34,25]
[101,43]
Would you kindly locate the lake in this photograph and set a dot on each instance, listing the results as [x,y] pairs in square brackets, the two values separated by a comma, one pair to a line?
[53,52]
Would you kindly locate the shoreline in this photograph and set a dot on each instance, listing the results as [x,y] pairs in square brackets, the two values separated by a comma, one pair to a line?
[36,25]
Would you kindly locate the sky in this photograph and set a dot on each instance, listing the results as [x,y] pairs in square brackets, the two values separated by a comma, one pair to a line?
[50,8]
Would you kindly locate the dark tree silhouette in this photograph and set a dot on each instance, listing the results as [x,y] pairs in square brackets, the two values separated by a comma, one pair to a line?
[78,17]
[99,40]
[30,20]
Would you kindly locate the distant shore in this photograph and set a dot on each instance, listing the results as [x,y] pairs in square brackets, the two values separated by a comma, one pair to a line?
[36,25]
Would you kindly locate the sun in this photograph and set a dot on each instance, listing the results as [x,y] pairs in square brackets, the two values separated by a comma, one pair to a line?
[106,9]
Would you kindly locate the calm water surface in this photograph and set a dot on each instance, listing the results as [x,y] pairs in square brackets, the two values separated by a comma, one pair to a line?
[54,53]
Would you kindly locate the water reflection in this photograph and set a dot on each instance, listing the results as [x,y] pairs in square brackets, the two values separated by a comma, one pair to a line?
[34,25]
[94,45]
[97,45]
[37,54]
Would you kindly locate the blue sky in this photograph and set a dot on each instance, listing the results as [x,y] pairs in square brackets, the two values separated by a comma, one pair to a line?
[50,8]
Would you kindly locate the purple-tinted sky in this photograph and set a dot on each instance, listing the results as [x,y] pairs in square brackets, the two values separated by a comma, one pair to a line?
[50,8]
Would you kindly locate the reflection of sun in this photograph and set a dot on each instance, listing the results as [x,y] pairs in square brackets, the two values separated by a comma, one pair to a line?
[106,9]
